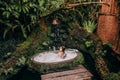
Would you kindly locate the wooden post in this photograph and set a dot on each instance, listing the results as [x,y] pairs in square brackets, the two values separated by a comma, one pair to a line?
[108,28]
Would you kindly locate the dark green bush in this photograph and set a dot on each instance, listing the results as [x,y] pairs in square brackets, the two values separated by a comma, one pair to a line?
[112,76]
[6,49]
[20,17]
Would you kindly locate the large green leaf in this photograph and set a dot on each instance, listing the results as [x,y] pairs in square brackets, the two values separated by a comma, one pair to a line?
[23,31]
[5,32]
[6,14]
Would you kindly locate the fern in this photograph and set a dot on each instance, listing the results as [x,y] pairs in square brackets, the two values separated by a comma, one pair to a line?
[90,26]
[17,15]
[25,12]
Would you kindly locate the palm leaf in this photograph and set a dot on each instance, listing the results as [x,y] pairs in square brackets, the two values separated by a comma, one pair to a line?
[5,32]
[23,31]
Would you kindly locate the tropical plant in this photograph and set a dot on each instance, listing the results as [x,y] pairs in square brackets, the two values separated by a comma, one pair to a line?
[6,49]
[112,76]
[18,16]
[90,26]
[49,6]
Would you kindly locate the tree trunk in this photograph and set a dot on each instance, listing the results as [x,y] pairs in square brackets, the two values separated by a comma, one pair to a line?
[108,25]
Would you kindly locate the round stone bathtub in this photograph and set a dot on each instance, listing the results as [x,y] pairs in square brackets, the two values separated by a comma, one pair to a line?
[51,57]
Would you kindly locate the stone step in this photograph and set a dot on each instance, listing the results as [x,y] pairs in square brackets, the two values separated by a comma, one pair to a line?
[80,73]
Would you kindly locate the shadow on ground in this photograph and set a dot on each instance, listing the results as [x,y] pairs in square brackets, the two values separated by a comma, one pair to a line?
[25,74]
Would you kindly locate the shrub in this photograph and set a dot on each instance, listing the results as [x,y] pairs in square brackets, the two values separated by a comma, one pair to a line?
[6,49]
[112,76]
[90,26]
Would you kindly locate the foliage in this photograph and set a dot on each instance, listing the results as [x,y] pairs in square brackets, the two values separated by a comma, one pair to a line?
[21,54]
[112,76]
[98,52]
[80,14]
[90,26]
[6,49]
[18,16]
[89,43]
[79,60]
[88,12]
[118,2]
[21,61]
[48,6]
[21,16]
[91,46]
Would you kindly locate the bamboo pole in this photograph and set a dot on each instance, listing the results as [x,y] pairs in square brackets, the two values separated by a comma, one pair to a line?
[86,3]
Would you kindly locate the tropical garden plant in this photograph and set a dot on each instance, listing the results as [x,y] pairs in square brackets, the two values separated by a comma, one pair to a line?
[18,16]
[23,15]
[32,20]
[90,26]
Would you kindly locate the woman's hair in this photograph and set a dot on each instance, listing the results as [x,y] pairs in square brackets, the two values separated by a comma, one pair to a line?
[63,48]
